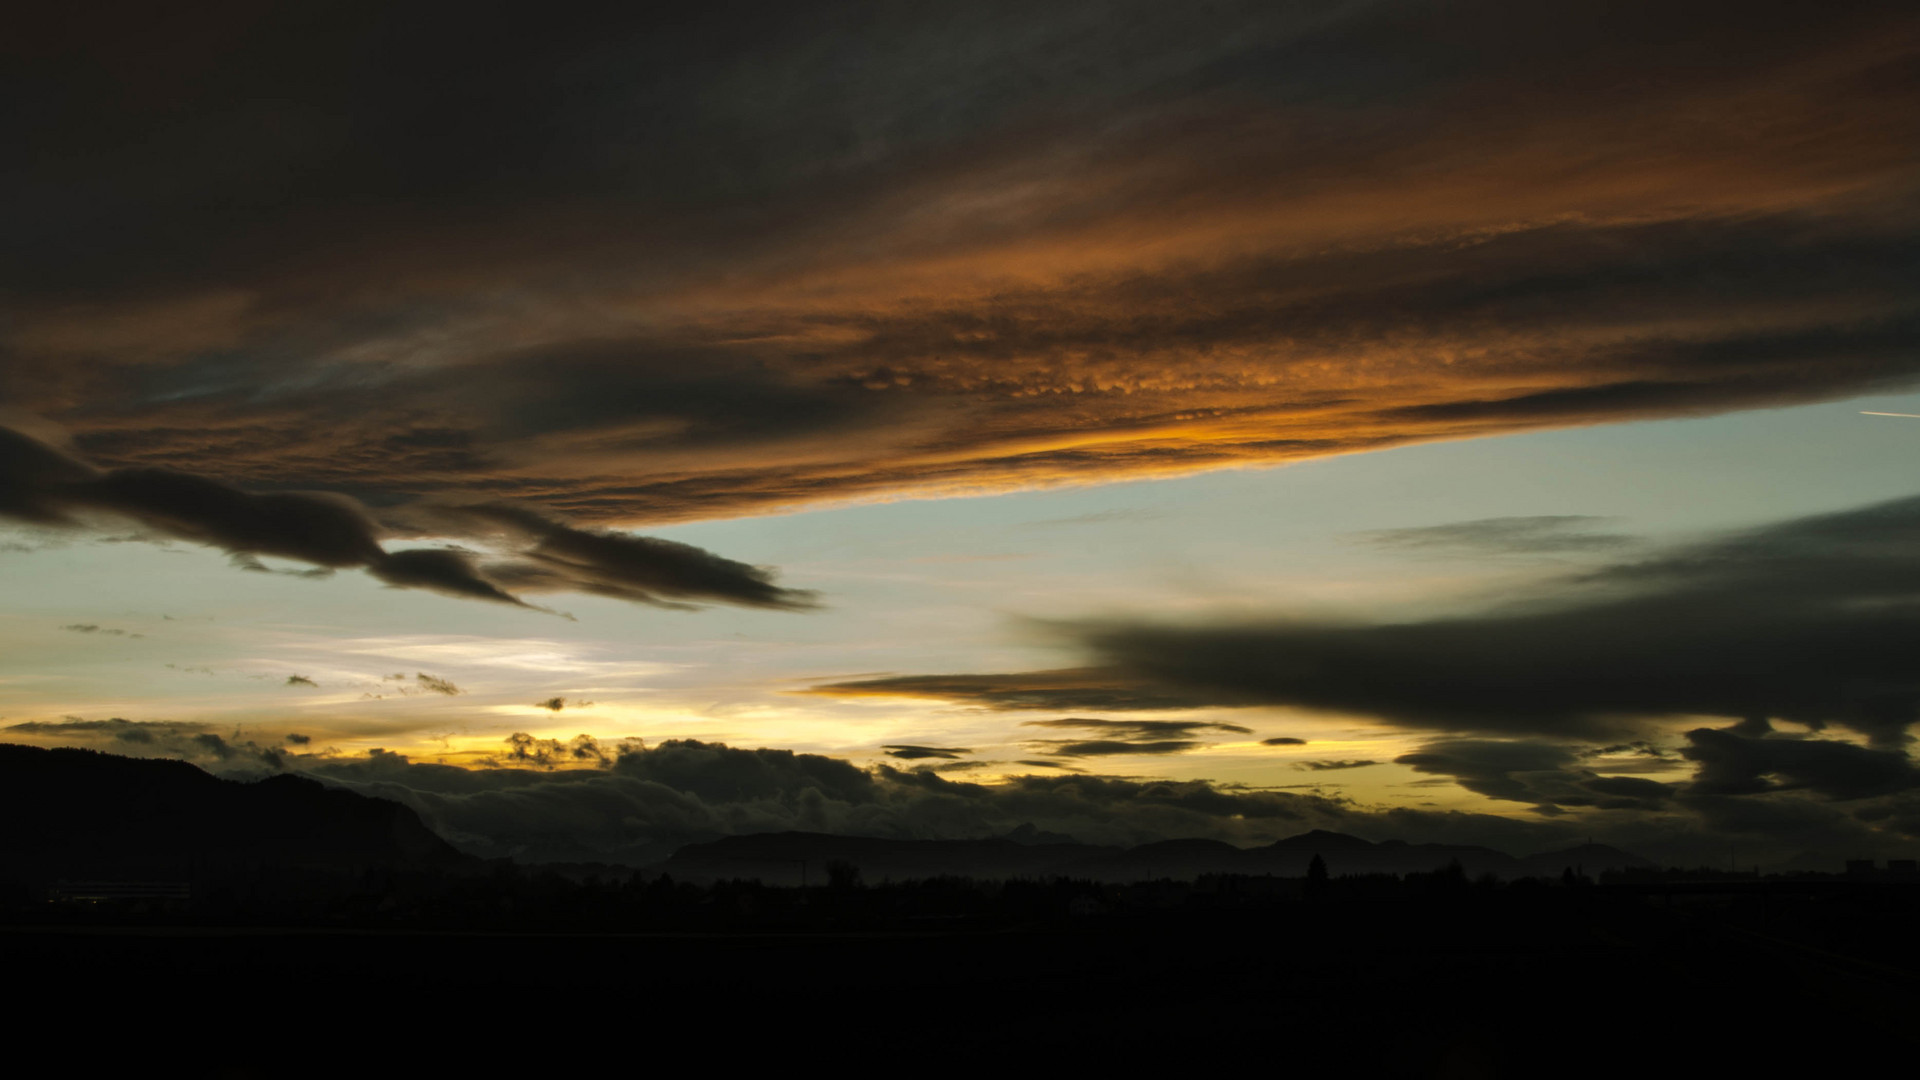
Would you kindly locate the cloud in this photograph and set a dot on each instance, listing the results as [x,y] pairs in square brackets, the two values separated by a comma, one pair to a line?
[1107,690]
[94,628]
[650,800]
[556,557]
[1731,764]
[300,680]
[639,803]
[188,740]
[549,753]
[1140,729]
[915,753]
[1546,698]
[585,799]
[115,728]
[1332,766]
[1739,782]
[1541,535]
[1283,740]
[1517,771]
[1641,790]
[943,253]
[43,485]
[437,684]
[1128,736]
[1810,620]
[555,704]
[441,570]
[1109,747]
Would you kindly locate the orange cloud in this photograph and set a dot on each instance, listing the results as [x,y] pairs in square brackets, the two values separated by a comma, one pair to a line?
[1522,219]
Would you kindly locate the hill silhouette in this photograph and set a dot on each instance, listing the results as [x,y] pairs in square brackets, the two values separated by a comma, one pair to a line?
[80,813]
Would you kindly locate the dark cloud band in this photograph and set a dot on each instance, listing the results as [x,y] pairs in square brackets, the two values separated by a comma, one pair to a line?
[43,485]
[637,268]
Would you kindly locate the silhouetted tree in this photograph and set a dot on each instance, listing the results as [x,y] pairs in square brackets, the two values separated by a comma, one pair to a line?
[842,875]
[1316,878]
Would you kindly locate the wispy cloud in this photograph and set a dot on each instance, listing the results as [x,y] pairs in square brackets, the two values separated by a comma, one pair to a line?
[1540,535]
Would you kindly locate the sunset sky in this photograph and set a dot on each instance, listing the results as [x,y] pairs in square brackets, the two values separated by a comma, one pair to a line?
[604,429]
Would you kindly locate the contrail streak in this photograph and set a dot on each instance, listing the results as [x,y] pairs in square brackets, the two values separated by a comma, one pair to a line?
[1909,415]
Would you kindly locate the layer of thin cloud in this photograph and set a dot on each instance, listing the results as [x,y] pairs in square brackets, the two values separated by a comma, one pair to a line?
[1554,534]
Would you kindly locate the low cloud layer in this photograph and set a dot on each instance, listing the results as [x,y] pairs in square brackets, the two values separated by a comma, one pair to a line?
[1811,621]
[1783,799]
[645,802]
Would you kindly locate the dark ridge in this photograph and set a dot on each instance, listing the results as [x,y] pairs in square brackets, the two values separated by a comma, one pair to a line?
[1319,841]
[81,813]
[1585,859]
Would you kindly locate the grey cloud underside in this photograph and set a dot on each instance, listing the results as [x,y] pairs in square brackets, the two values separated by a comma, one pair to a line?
[1114,747]
[1732,764]
[1813,621]
[908,752]
[45,486]
[1139,729]
[556,557]
[1127,736]
[640,265]
[1103,689]
[1810,793]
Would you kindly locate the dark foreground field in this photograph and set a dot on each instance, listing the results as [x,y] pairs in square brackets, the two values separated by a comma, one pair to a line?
[1359,989]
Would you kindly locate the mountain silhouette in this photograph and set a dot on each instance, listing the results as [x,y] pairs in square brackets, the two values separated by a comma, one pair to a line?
[80,813]
[1589,859]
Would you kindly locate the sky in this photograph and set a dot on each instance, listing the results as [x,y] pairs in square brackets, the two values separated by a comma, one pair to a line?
[616,428]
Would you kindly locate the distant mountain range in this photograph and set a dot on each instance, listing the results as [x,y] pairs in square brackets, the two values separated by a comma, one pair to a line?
[82,813]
